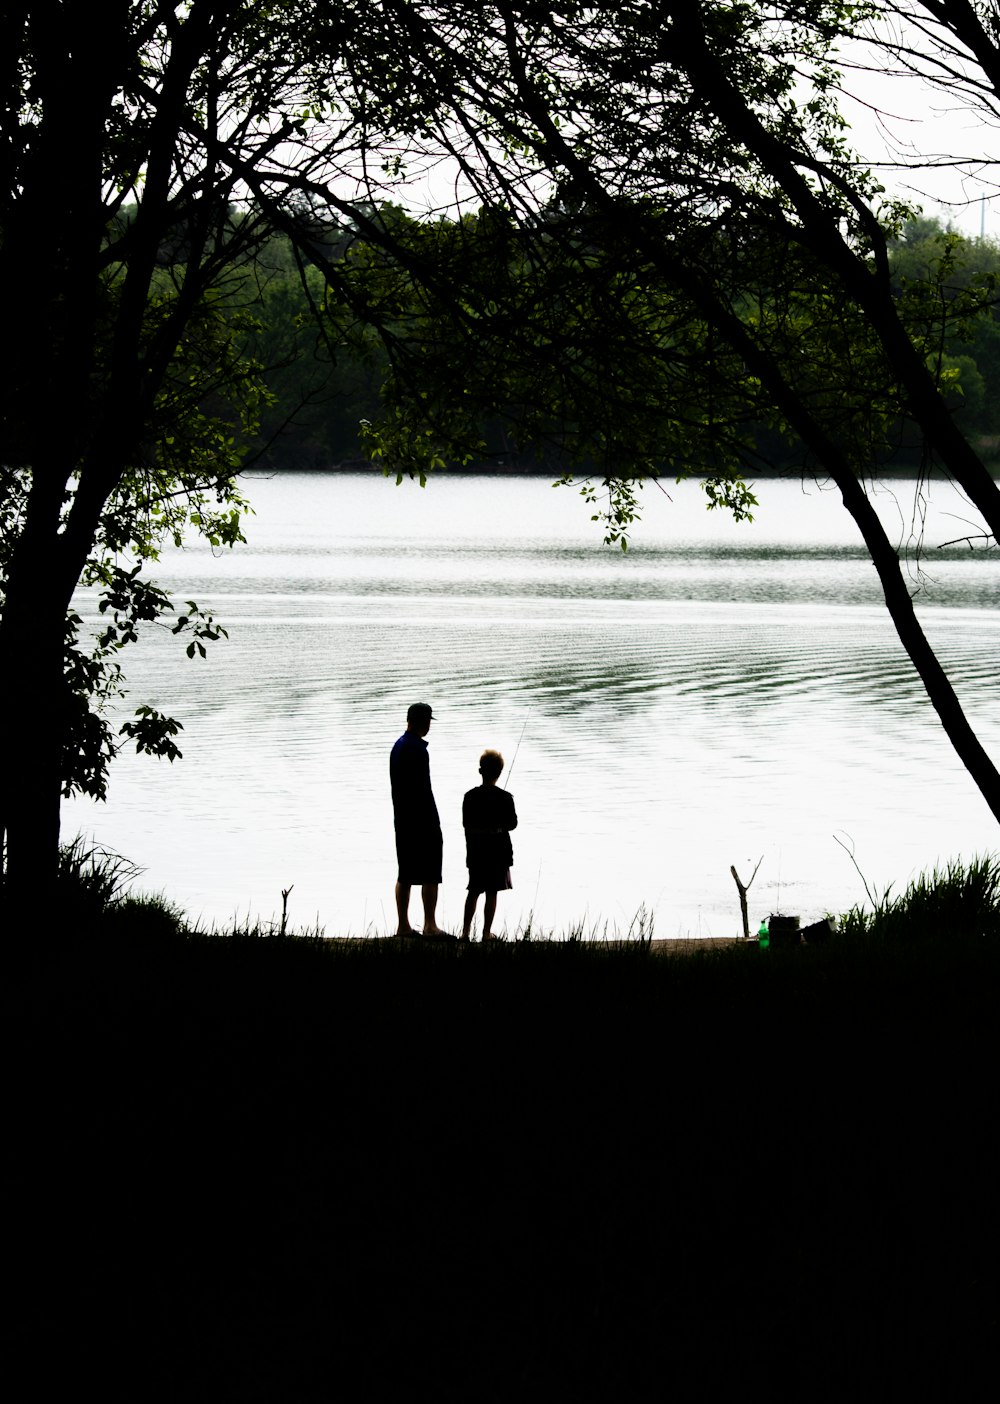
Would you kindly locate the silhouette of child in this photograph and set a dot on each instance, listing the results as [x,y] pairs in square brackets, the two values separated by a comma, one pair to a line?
[488,815]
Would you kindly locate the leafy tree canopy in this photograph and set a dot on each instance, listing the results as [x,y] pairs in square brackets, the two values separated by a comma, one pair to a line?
[674,246]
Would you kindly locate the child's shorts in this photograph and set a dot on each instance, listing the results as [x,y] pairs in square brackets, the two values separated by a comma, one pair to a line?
[489,880]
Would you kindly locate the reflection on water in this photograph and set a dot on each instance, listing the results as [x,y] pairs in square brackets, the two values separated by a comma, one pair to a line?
[718,693]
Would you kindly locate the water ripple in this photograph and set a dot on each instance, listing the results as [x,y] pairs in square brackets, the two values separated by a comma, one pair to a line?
[677,709]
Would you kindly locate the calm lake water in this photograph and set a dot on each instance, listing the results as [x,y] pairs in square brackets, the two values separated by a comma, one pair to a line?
[720,694]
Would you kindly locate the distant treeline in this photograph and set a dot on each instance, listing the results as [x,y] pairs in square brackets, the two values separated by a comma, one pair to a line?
[324,374]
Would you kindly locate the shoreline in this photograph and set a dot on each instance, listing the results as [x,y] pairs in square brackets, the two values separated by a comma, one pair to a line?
[664,945]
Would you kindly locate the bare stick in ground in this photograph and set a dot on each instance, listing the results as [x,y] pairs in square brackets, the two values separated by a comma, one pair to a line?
[285,894]
[744,888]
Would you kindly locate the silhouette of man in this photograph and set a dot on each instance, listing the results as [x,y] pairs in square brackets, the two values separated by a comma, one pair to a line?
[418,828]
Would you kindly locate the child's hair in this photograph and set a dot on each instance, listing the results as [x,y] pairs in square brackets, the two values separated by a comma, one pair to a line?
[490,765]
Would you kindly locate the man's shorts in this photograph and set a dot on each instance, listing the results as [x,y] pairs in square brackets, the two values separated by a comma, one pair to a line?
[419,857]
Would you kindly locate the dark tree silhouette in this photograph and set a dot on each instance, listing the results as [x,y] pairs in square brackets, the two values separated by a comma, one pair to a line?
[686,153]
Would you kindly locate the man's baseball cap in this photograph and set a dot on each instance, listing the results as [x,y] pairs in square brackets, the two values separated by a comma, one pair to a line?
[419,711]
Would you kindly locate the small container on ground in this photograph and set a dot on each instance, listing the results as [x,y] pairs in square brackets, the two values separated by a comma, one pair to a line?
[819,931]
[783,930]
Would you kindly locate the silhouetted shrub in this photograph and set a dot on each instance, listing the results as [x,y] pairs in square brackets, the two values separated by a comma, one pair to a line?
[959,899]
[144,917]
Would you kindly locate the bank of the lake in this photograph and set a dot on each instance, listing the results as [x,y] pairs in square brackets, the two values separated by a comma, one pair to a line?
[254,1169]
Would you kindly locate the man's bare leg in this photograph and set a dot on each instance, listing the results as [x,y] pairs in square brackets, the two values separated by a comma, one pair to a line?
[403,927]
[489,912]
[429,894]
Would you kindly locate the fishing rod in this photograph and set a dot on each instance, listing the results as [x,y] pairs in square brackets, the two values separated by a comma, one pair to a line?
[510,772]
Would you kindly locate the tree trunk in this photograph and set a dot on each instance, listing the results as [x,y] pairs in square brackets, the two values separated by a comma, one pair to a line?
[33,709]
[900,606]
[897,597]
[32,716]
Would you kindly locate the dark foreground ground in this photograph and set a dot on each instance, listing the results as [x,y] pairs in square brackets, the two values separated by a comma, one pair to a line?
[265,1171]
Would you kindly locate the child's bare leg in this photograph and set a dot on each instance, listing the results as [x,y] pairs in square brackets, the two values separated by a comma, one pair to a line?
[470,912]
[489,912]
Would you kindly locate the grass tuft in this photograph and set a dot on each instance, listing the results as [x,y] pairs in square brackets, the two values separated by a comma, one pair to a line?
[145,917]
[961,899]
[90,880]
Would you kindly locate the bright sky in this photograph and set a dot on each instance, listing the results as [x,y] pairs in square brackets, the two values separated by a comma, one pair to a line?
[896,120]
[901,118]
[955,197]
